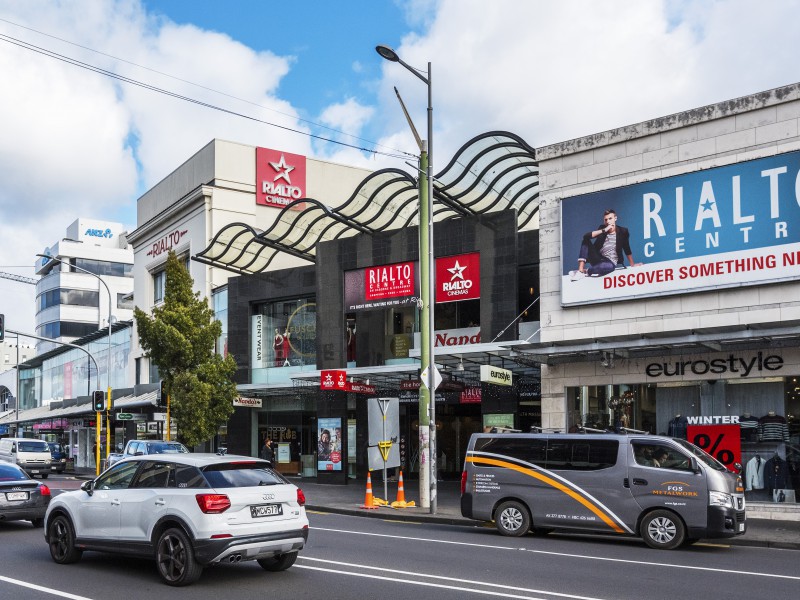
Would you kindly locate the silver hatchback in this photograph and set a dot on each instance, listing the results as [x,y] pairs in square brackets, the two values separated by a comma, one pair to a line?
[187,510]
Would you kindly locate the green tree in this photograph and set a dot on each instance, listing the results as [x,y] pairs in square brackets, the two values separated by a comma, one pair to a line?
[179,339]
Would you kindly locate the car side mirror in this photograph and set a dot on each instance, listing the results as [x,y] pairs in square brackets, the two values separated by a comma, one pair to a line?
[88,487]
[738,467]
[694,465]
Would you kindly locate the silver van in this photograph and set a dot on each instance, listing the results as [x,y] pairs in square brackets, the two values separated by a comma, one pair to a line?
[32,455]
[663,489]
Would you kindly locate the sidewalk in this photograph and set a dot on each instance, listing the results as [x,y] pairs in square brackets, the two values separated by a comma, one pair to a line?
[346,500]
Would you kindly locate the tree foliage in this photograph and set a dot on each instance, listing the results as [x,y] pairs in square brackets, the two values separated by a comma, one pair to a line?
[179,339]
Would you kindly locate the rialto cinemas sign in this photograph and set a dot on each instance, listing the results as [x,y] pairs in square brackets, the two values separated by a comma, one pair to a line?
[280,177]
[732,366]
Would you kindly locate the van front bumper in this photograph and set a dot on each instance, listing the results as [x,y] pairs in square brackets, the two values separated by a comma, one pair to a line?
[722,522]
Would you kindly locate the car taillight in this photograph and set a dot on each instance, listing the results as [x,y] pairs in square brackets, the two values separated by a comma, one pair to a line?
[301,497]
[44,490]
[463,481]
[212,504]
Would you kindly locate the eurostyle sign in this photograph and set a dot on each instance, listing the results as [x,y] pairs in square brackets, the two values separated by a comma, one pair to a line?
[280,178]
[723,227]
[458,277]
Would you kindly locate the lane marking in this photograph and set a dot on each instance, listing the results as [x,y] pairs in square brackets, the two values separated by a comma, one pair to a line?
[40,588]
[443,578]
[425,584]
[566,554]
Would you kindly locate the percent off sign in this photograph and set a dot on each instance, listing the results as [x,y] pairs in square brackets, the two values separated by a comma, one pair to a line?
[723,442]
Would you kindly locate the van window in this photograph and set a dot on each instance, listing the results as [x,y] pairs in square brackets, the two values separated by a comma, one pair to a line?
[581,455]
[33,446]
[530,451]
[653,454]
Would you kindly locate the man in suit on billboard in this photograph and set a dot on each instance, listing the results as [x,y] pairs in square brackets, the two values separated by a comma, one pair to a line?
[603,249]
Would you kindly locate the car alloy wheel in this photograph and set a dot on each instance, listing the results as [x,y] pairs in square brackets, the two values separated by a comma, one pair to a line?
[175,559]
[61,539]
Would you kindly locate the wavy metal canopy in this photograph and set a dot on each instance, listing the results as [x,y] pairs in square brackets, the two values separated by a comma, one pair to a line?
[492,172]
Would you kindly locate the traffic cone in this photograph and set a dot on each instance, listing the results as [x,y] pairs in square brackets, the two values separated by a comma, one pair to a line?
[401,493]
[368,502]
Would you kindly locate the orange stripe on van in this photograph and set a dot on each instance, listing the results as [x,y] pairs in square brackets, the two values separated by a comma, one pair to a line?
[551,482]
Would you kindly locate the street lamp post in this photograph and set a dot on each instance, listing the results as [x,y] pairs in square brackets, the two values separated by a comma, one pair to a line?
[427,396]
[99,415]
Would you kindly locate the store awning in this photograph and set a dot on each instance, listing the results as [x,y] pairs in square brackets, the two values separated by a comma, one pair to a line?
[493,172]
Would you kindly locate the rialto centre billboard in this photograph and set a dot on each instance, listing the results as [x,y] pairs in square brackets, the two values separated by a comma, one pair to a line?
[723,227]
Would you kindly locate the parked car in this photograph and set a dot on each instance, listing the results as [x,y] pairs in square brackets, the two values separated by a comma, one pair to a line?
[30,454]
[22,498]
[59,457]
[187,511]
[141,447]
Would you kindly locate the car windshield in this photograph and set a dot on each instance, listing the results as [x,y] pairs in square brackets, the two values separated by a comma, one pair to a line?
[33,446]
[242,474]
[12,473]
[166,448]
[702,456]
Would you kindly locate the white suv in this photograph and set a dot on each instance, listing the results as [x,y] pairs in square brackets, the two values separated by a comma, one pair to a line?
[186,510]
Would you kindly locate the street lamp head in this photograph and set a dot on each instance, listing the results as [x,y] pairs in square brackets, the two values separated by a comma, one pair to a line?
[387,53]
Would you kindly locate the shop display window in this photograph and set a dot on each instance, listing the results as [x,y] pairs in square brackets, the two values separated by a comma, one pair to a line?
[284,334]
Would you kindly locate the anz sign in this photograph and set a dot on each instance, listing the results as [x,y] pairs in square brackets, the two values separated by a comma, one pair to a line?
[101,233]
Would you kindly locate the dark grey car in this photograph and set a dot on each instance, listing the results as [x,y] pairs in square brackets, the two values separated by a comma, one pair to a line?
[22,498]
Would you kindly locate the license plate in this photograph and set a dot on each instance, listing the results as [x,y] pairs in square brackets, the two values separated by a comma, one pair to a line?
[34,470]
[741,526]
[266,510]
[16,496]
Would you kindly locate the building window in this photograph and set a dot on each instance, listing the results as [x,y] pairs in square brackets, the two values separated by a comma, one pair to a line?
[102,267]
[284,334]
[57,329]
[159,285]
[69,297]
[125,301]
[219,298]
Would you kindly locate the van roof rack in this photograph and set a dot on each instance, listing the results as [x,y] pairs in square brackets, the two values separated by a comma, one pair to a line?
[537,429]
[628,430]
[504,430]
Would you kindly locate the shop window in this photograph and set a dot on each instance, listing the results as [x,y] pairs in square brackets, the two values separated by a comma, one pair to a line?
[284,334]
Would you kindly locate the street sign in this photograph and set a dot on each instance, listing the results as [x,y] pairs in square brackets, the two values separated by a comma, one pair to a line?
[437,377]
[124,417]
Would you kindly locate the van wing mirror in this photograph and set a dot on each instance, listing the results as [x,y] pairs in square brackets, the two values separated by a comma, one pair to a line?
[695,466]
[88,487]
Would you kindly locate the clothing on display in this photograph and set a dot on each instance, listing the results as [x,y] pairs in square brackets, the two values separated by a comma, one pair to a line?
[754,473]
[776,474]
[773,428]
[677,427]
[783,496]
[749,427]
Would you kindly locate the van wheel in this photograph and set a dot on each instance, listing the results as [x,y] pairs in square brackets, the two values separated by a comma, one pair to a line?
[512,518]
[661,529]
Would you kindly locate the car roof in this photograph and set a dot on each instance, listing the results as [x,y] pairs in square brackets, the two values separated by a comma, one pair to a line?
[198,459]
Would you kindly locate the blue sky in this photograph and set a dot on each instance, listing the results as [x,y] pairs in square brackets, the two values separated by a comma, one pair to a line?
[78,144]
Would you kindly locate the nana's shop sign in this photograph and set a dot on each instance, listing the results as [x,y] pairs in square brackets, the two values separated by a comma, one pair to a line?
[736,366]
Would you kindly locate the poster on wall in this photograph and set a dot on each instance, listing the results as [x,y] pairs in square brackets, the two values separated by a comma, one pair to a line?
[329,444]
[722,227]
[723,442]
[380,287]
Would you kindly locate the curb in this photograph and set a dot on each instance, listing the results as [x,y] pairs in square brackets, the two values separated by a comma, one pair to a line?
[395,514]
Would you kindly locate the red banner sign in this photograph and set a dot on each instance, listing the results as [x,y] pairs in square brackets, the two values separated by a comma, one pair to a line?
[458,277]
[389,281]
[280,178]
[333,380]
[471,395]
[723,442]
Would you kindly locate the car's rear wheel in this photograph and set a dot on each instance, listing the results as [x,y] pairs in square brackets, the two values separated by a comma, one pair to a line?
[61,539]
[281,562]
[175,559]
[512,518]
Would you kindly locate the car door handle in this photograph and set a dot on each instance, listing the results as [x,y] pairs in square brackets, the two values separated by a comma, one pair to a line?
[115,503]
[160,502]
[637,481]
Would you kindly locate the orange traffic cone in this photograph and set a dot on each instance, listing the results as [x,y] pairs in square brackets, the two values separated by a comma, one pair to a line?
[368,503]
[401,493]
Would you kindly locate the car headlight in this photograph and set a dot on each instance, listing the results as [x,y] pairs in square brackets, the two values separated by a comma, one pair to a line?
[720,499]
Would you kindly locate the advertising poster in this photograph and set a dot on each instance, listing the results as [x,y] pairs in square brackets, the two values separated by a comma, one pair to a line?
[329,444]
[723,227]
[723,442]
[499,421]
[458,277]
[381,287]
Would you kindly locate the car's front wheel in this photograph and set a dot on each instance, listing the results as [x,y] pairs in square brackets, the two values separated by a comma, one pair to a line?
[281,562]
[61,539]
[175,558]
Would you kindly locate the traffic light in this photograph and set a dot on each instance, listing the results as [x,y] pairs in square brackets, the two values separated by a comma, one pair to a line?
[99,400]
[162,396]
[2,327]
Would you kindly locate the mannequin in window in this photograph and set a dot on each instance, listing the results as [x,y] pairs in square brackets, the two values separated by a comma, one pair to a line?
[277,346]
[677,427]
[287,348]
[748,425]
[773,427]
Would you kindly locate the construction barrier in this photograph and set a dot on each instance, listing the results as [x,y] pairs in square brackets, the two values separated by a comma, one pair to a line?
[369,502]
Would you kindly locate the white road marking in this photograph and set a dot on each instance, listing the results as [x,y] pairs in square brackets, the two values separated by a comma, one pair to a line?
[567,555]
[447,586]
[40,588]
